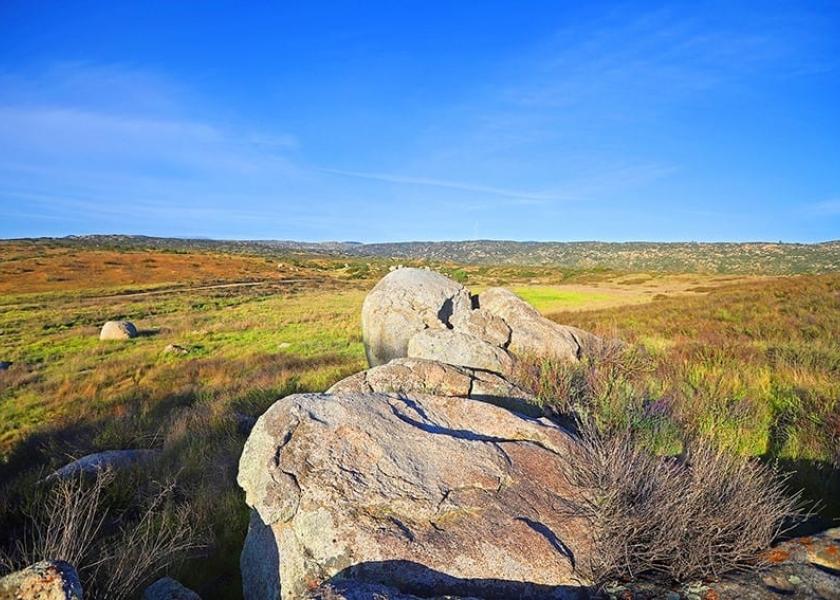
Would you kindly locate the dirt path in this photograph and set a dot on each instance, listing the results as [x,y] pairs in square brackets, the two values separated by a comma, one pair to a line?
[199,288]
[159,292]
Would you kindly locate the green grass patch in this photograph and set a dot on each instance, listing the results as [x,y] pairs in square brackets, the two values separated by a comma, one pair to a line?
[548,299]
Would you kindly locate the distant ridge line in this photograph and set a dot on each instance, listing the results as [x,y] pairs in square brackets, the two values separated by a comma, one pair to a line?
[756,257]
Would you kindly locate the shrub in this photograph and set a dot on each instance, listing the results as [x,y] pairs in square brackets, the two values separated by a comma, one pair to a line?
[677,519]
[604,387]
[114,554]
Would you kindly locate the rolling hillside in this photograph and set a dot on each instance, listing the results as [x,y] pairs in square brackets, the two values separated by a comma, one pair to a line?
[748,257]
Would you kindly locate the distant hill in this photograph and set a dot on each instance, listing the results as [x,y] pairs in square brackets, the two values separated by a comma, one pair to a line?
[754,257]
[749,257]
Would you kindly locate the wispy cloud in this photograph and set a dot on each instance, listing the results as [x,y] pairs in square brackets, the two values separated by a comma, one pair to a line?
[629,61]
[583,186]
[830,207]
[450,185]
[65,153]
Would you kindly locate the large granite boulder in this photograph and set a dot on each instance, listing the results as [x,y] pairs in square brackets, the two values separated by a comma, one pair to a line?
[531,333]
[461,349]
[428,495]
[118,330]
[404,302]
[46,580]
[418,376]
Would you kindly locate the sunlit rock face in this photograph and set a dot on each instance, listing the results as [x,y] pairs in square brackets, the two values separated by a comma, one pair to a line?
[430,495]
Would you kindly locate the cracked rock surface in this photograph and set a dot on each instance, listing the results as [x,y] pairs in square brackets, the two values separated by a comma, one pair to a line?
[429,495]
[531,333]
[420,376]
[460,349]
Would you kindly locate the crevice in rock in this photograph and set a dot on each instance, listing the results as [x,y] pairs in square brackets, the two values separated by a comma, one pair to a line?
[463,434]
[287,437]
[504,454]
[409,535]
[579,348]
[546,532]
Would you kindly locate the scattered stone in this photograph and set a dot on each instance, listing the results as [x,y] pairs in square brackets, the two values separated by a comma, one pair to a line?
[100,461]
[403,303]
[425,494]
[283,345]
[46,580]
[461,349]
[118,330]
[5,364]
[531,333]
[175,349]
[167,588]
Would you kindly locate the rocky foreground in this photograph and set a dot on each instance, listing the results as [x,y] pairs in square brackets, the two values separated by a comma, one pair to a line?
[430,475]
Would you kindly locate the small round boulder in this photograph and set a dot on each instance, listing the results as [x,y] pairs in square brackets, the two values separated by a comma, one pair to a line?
[118,330]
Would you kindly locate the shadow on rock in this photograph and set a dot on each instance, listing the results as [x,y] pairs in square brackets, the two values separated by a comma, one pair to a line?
[419,580]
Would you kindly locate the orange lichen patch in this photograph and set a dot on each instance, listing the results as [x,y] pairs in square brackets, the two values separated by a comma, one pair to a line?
[312,584]
[711,595]
[830,555]
[776,556]
[806,541]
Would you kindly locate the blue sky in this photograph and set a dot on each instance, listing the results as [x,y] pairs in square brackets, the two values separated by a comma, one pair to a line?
[421,120]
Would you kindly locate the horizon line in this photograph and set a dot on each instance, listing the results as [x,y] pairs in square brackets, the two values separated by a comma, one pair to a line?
[416,241]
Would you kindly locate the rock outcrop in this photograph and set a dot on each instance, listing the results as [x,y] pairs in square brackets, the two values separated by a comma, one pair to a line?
[411,479]
[167,588]
[430,495]
[531,333]
[118,330]
[46,580]
[404,302]
[422,314]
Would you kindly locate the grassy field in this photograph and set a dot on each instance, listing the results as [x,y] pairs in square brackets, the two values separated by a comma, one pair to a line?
[752,363]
